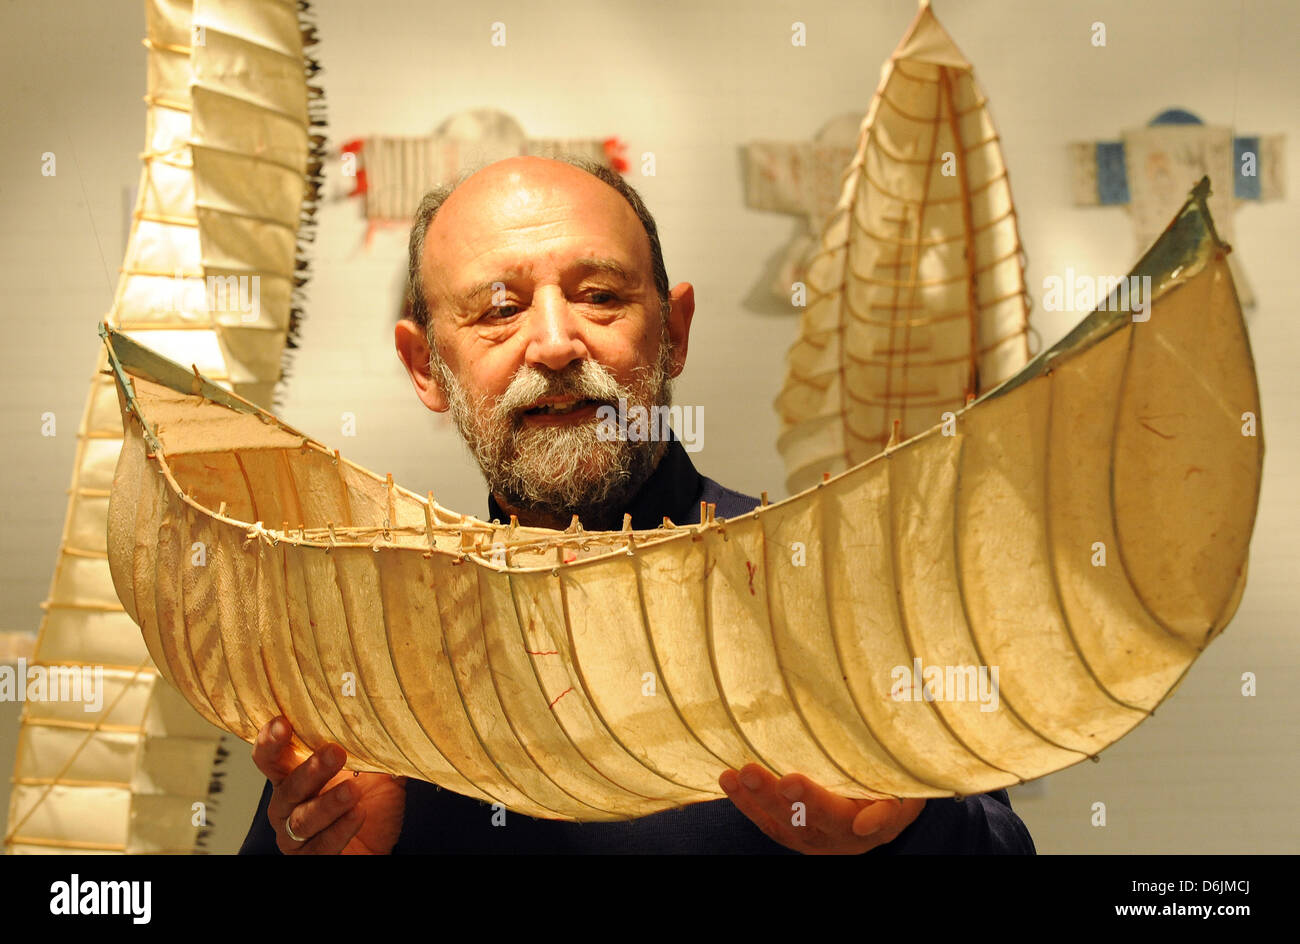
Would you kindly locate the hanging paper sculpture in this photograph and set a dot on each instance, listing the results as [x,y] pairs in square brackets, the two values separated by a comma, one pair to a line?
[1150,168]
[393,174]
[211,268]
[592,676]
[802,179]
[915,291]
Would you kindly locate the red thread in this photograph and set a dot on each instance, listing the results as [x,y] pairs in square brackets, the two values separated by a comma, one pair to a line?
[616,150]
[753,569]
[356,146]
[1154,430]
[561,695]
[548,652]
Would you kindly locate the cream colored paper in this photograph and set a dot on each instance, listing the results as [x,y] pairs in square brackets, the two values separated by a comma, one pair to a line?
[594,676]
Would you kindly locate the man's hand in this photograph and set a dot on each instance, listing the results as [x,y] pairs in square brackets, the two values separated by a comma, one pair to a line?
[358,814]
[831,825]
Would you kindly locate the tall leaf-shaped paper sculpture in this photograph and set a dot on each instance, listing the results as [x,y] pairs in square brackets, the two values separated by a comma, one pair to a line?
[208,279]
[593,676]
[915,291]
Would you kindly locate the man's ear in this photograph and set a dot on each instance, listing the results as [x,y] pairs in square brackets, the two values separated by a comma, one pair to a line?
[681,310]
[413,349]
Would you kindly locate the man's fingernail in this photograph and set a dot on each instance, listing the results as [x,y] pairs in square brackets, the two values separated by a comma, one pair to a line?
[277,730]
[728,782]
[792,791]
[751,780]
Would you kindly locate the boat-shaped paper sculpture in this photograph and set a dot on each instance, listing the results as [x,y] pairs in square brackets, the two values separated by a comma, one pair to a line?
[210,276]
[992,600]
[915,288]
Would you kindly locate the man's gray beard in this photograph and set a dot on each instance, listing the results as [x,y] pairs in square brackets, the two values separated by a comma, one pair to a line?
[562,470]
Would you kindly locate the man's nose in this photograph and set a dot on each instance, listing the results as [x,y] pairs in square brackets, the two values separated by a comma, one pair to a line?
[555,339]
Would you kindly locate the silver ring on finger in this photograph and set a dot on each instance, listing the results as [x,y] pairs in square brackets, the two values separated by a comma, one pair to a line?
[292,835]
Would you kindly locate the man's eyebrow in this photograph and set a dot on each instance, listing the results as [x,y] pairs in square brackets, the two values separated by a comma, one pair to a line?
[611,267]
[483,288]
[607,266]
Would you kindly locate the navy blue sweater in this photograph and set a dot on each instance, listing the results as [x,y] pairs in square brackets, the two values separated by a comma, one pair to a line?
[441,821]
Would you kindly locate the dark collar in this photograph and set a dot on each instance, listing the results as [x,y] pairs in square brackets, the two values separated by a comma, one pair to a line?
[672,491]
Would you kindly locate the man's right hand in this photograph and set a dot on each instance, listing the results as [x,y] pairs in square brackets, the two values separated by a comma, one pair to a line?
[333,810]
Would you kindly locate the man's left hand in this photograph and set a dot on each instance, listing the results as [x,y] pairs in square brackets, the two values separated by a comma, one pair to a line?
[827,824]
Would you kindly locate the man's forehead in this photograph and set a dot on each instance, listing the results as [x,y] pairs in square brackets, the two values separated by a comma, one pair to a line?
[508,179]
[497,216]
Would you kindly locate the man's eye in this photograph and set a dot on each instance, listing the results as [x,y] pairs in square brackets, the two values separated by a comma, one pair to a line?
[502,311]
[602,297]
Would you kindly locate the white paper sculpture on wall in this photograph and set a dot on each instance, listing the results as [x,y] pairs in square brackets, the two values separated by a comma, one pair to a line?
[801,179]
[915,290]
[392,174]
[510,663]
[1150,168]
[209,277]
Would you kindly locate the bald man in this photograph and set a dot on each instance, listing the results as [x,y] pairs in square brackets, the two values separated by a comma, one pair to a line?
[537,296]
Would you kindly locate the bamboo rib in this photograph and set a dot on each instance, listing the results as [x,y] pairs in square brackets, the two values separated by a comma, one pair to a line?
[1054,569]
[838,635]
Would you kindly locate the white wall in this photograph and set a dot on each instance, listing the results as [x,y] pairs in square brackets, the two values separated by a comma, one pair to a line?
[691,81]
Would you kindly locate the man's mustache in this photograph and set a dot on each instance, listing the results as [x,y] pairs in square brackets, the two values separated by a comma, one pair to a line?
[588,381]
